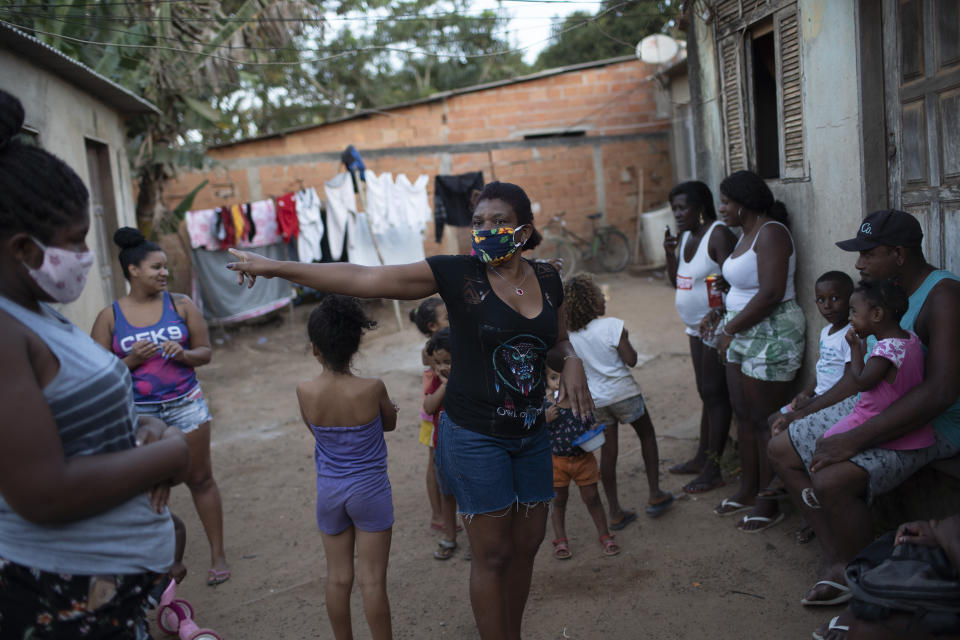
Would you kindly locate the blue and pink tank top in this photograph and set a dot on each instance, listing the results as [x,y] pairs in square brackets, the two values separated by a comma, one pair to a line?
[158,379]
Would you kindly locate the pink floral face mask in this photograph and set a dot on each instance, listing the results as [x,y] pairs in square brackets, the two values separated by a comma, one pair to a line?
[63,273]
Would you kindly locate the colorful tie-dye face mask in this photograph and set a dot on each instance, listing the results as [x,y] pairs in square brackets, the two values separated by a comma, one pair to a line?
[495,246]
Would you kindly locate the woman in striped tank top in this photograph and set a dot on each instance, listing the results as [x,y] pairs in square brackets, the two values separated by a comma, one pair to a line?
[81,541]
[161,338]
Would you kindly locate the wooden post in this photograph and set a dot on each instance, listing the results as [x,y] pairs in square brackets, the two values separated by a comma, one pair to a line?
[638,239]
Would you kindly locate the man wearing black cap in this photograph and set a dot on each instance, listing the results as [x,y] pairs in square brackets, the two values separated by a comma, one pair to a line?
[848,469]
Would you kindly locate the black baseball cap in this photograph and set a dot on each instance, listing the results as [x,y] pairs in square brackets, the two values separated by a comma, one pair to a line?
[887,227]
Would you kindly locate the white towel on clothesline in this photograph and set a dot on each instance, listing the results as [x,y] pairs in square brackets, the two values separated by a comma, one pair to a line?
[311,225]
[341,203]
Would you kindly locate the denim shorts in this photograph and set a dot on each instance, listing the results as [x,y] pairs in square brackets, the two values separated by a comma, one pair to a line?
[488,474]
[186,413]
[623,412]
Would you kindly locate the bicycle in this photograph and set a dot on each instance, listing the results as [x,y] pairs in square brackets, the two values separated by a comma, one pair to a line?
[607,246]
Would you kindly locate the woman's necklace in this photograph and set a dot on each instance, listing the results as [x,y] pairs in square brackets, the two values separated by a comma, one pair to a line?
[516,287]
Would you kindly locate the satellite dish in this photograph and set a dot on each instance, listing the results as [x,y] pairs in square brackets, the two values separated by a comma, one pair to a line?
[657,49]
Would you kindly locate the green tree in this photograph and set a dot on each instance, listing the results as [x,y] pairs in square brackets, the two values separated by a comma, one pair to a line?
[416,48]
[181,56]
[613,31]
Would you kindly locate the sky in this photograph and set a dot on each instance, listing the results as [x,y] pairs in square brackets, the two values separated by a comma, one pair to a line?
[531,21]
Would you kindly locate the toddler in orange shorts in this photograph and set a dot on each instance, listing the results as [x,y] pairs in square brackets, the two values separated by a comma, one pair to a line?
[572,463]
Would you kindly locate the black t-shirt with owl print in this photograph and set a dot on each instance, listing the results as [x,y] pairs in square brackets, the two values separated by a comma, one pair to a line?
[498,356]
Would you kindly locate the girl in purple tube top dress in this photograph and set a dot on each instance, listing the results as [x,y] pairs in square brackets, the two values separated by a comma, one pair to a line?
[347,416]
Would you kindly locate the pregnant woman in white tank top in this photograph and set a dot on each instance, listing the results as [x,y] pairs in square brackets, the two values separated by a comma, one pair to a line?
[761,339]
[704,244]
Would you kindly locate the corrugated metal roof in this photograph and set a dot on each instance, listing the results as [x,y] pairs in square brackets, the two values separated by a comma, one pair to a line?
[365,113]
[72,71]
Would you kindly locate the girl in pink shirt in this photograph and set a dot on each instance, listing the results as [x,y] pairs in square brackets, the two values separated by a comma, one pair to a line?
[894,366]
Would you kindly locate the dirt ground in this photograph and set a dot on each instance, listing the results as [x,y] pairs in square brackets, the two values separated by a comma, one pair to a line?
[689,574]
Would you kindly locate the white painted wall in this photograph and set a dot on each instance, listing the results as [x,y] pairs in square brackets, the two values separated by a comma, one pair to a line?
[829,206]
[65,115]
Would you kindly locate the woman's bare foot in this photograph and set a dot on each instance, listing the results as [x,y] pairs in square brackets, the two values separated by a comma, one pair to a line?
[689,468]
[709,479]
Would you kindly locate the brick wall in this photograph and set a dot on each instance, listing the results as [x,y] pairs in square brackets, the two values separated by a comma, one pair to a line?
[612,104]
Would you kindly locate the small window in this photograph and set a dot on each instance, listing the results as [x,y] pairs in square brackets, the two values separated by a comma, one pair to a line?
[761,94]
[766,125]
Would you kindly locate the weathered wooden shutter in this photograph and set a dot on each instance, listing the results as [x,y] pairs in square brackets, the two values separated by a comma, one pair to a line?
[791,94]
[727,12]
[731,56]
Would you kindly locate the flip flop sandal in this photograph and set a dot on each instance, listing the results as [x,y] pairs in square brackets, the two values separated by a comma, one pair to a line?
[657,510]
[215,577]
[730,507]
[810,498]
[561,550]
[628,516]
[845,595]
[703,487]
[445,549]
[766,522]
[610,546]
[831,626]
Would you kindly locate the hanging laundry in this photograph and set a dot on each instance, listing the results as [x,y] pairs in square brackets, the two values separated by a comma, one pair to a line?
[263,220]
[201,227]
[240,224]
[226,236]
[400,245]
[341,203]
[453,200]
[217,287]
[311,226]
[287,216]
[411,204]
[380,201]
[360,245]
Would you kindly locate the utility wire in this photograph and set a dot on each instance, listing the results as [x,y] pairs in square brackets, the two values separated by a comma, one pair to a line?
[318,59]
[149,3]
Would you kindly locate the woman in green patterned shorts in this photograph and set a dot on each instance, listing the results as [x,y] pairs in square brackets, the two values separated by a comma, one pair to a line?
[761,335]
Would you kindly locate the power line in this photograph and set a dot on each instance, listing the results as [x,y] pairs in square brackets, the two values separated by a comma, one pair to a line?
[150,36]
[278,63]
[147,3]
[404,17]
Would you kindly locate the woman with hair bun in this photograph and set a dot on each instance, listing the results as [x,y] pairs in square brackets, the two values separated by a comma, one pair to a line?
[85,534]
[162,338]
[760,338]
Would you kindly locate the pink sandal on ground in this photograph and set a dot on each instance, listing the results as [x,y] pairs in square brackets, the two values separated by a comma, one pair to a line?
[561,550]
[610,546]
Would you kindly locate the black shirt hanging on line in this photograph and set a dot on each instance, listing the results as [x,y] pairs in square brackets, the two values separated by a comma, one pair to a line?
[497,378]
[453,200]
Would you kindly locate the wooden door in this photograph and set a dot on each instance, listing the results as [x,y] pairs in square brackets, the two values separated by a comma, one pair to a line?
[103,219]
[922,77]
